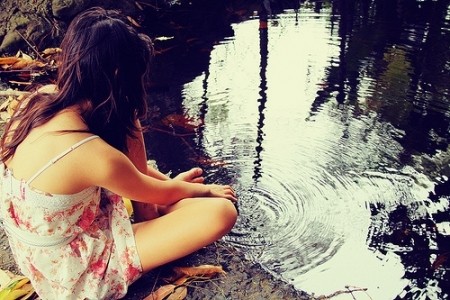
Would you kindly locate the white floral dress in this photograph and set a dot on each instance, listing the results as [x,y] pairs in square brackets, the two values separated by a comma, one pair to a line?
[78,246]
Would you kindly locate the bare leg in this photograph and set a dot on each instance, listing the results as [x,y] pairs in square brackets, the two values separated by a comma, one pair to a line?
[188,226]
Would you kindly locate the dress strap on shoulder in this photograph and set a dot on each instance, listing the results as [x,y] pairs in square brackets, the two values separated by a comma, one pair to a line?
[61,155]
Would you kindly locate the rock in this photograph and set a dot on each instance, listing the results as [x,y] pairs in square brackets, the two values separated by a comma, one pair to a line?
[67,9]
[10,41]
[43,22]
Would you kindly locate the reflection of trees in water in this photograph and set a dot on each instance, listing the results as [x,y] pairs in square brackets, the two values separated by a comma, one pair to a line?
[424,250]
[402,48]
[264,52]
[194,27]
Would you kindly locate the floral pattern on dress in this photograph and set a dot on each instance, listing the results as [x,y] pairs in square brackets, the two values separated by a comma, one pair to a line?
[99,259]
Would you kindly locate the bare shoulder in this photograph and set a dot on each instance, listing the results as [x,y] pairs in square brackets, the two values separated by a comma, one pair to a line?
[100,153]
[102,160]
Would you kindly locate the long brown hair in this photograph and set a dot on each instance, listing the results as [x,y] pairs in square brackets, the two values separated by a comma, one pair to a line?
[104,65]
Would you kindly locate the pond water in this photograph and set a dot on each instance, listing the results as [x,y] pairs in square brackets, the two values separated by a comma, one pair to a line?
[332,123]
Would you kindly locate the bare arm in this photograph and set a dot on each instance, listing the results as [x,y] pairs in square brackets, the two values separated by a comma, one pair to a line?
[138,156]
[117,173]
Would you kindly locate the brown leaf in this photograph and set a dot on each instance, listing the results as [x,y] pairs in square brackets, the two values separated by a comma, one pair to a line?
[21,63]
[203,271]
[8,60]
[51,51]
[181,280]
[133,22]
[178,294]
[162,292]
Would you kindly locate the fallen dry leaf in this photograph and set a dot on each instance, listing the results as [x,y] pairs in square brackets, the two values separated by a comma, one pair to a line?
[8,60]
[182,280]
[177,290]
[162,292]
[24,63]
[133,21]
[20,64]
[51,51]
[203,270]
[8,107]
[179,293]
[168,292]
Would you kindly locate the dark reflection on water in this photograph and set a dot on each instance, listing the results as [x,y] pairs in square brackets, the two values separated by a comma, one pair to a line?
[333,124]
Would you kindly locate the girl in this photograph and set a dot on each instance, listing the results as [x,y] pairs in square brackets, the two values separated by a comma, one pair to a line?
[66,156]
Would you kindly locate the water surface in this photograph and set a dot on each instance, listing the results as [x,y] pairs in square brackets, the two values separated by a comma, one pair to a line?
[332,123]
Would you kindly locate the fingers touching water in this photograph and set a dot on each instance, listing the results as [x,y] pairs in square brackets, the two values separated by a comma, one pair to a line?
[194,175]
[222,191]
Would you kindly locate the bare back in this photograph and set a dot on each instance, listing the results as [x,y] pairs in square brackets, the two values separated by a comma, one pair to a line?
[46,142]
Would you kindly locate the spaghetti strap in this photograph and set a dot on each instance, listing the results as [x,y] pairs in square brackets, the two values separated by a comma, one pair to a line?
[58,157]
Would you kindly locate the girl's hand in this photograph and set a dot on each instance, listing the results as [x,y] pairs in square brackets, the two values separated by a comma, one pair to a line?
[194,175]
[222,191]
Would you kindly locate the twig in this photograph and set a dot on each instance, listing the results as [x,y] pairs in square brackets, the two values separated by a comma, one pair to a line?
[148,4]
[20,82]
[31,46]
[169,132]
[351,292]
[13,93]
[348,291]
[15,71]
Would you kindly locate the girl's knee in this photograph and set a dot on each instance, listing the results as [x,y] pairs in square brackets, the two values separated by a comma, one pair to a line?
[227,213]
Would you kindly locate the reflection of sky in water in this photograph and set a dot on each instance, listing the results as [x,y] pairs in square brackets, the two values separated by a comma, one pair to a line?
[306,177]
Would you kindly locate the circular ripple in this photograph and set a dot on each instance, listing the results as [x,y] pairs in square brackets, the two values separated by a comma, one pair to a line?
[292,217]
